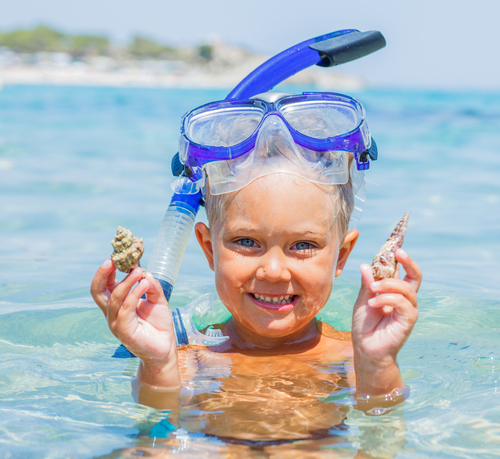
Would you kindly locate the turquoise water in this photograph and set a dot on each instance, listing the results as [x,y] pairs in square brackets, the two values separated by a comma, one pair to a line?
[77,162]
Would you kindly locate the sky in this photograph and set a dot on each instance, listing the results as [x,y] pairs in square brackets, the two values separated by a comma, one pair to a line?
[438,44]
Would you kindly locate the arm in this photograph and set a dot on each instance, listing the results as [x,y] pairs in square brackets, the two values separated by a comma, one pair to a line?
[383,317]
[144,326]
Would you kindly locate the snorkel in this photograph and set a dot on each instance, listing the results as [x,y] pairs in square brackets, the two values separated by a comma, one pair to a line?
[325,51]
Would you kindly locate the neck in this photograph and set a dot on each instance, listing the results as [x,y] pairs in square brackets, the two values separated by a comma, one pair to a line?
[300,340]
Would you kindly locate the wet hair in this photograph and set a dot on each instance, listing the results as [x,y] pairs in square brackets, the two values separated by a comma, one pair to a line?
[341,200]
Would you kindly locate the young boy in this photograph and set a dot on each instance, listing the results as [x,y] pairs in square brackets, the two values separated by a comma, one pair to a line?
[275,243]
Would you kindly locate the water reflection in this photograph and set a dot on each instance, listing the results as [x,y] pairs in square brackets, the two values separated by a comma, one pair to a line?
[264,407]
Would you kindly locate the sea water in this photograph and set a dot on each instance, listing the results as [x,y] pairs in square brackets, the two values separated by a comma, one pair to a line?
[77,162]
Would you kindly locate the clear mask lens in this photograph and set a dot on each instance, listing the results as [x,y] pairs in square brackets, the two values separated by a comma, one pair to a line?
[223,127]
[228,124]
[276,152]
[320,119]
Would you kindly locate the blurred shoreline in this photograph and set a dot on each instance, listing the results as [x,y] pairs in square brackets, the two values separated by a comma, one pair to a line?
[157,73]
[226,67]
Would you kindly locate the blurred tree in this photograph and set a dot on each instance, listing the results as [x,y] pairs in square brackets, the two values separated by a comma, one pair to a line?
[88,45]
[44,38]
[205,52]
[40,38]
[144,48]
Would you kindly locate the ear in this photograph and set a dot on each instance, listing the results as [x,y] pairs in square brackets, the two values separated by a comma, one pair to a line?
[345,250]
[205,240]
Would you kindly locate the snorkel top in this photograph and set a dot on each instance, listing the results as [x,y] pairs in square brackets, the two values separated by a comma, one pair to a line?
[312,153]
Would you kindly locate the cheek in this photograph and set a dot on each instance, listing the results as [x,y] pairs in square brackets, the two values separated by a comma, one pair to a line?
[231,275]
[321,271]
[231,271]
[318,281]
[226,264]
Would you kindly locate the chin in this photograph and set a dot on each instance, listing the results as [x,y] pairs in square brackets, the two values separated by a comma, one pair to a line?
[276,328]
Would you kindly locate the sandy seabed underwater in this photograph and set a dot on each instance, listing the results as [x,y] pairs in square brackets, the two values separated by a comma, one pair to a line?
[77,162]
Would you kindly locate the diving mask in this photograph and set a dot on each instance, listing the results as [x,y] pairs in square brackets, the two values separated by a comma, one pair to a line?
[308,135]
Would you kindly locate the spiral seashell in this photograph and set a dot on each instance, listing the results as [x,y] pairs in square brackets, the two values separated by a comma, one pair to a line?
[384,263]
[128,250]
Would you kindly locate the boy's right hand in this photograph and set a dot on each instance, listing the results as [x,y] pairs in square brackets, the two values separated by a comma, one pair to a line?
[144,326]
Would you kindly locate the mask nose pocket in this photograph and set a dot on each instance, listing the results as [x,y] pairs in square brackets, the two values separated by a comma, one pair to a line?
[274,139]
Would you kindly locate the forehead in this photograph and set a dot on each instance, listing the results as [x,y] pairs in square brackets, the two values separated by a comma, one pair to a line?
[280,202]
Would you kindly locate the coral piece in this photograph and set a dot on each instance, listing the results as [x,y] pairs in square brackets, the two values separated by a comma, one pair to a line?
[384,263]
[128,250]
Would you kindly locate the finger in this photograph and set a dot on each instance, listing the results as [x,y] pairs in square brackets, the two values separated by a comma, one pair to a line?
[125,325]
[155,293]
[100,281]
[395,286]
[413,272]
[366,280]
[397,272]
[139,290]
[127,313]
[112,282]
[399,303]
[120,293]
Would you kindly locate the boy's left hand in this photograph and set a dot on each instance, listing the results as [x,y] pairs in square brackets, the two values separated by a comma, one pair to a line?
[383,317]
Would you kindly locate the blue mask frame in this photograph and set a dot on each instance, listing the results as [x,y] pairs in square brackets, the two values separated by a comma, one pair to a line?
[193,154]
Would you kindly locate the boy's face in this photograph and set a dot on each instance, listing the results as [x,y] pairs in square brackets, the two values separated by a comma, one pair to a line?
[274,254]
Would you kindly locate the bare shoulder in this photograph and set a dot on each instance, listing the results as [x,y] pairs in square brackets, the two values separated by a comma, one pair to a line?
[328,331]
[335,345]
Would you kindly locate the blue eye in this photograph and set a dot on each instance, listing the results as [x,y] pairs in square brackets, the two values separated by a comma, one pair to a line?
[304,246]
[246,242]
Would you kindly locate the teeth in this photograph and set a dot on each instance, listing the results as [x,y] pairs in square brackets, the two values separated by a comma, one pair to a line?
[275,299]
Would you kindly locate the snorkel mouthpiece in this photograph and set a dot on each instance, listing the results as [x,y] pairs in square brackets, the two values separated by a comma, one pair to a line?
[185,331]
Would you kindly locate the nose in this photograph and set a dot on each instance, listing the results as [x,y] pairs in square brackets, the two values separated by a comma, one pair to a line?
[274,267]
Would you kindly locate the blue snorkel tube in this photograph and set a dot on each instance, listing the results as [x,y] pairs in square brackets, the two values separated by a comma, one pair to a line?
[325,51]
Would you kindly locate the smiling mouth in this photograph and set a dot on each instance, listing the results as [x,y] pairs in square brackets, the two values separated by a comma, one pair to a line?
[275,300]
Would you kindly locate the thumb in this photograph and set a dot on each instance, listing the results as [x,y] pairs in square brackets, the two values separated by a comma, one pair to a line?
[366,280]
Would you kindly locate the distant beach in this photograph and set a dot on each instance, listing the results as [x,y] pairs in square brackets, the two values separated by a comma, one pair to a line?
[60,69]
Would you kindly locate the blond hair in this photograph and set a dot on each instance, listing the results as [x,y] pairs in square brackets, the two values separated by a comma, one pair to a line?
[341,200]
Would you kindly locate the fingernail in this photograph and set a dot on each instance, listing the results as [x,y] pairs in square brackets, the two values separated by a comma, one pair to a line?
[402,252]
[107,264]
[375,285]
[371,301]
[145,283]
